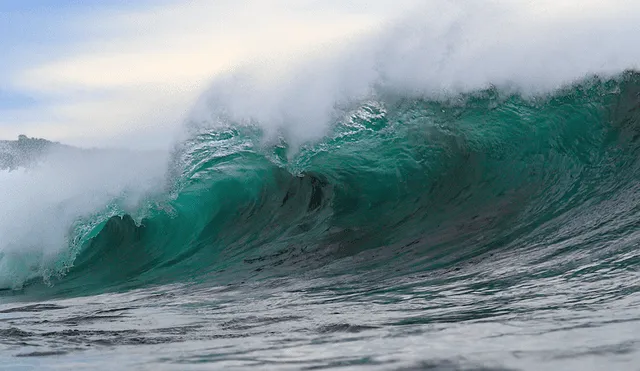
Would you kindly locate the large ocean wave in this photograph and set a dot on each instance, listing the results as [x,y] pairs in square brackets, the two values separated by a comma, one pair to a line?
[399,185]
[442,139]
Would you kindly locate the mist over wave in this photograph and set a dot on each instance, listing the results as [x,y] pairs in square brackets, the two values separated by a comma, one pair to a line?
[51,204]
[442,49]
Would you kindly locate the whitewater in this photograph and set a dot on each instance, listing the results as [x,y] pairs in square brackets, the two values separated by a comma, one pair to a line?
[457,189]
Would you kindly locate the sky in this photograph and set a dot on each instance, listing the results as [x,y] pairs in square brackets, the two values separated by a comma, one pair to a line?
[122,73]
[98,73]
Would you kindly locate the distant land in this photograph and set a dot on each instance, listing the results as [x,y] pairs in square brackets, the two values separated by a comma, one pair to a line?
[24,151]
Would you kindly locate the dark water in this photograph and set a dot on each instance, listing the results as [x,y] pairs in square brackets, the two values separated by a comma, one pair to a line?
[488,231]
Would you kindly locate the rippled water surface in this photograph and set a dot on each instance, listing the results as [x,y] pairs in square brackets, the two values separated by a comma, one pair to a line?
[469,319]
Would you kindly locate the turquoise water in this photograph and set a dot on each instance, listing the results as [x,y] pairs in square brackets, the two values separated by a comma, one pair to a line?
[489,230]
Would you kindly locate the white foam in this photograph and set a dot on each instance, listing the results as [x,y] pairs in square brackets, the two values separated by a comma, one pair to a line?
[40,204]
[442,48]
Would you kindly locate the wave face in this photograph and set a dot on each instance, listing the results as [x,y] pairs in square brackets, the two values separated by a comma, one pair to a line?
[398,186]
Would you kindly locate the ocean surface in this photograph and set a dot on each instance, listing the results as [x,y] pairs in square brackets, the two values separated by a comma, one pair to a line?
[486,231]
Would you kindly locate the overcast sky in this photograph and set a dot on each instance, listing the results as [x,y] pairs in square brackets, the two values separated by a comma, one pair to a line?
[125,73]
